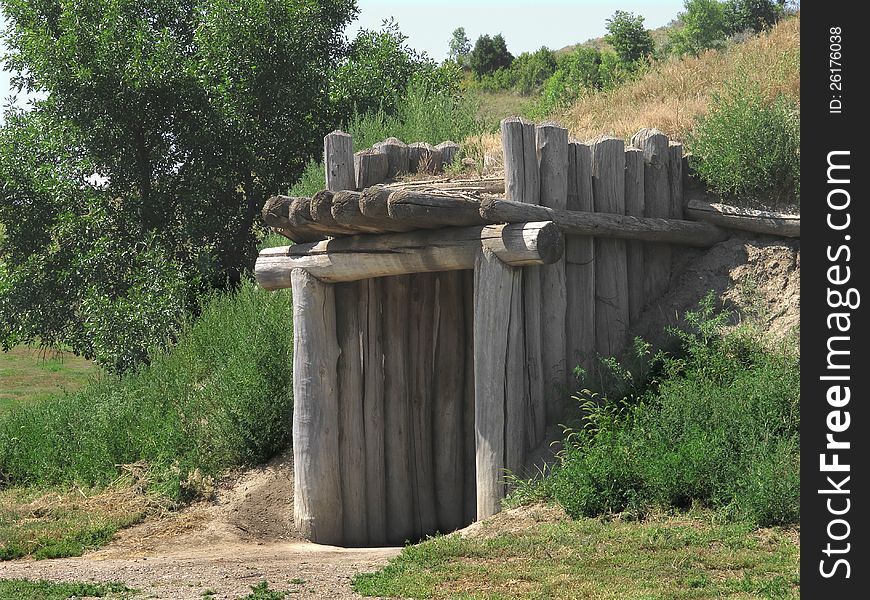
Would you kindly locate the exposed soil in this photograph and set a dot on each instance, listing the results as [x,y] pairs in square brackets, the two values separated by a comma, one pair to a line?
[242,537]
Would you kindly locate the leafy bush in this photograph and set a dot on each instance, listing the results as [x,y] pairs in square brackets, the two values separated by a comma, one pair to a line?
[489,55]
[749,146]
[705,25]
[631,40]
[716,425]
[221,397]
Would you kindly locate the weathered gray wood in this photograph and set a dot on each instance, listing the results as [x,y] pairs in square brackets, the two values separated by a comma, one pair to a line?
[373,202]
[634,201]
[448,151]
[675,179]
[580,264]
[373,411]
[397,156]
[365,256]
[522,184]
[371,167]
[469,449]
[302,219]
[447,400]
[517,403]
[276,214]
[657,203]
[317,502]
[431,211]
[493,287]
[338,161]
[689,233]
[611,274]
[481,185]
[346,210]
[397,418]
[745,219]
[351,424]
[552,147]
[421,378]
[521,176]
[322,212]
[424,158]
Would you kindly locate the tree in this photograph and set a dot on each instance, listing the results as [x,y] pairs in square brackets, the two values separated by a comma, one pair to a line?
[752,15]
[193,112]
[459,47]
[531,70]
[705,26]
[629,38]
[489,55]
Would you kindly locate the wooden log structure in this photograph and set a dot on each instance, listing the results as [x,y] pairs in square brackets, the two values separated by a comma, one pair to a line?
[437,324]
[745,219]
[611,266]
[363,257]
[522,184]
[552,151]
[424,158]
[580,263]
[448,151]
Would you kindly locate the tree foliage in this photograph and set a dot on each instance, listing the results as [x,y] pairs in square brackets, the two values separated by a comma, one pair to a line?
[489,55]
[629,38]
[705,26]
[191,112]
[752,15]
[459,46]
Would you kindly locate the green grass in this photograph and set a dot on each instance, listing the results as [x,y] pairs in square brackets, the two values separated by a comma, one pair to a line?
[61,523]
[221,397]
[261,591]
[590,558]
[24,589]
[29,374]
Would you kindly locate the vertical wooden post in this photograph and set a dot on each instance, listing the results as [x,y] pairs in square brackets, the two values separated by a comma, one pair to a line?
[371,166]
[675,179]
[421,356]
[318,499]
[447,400]
[552,146]
[634,201]
[657,203]
[373,411]
[397,155]
[611,279]
[351,427]
[448,151]
[338,161]
[522,184]
[494,285]
[469,450]
[580,263]
[397,418]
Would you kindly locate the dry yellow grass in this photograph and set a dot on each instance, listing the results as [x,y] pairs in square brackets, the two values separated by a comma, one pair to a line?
[675,92]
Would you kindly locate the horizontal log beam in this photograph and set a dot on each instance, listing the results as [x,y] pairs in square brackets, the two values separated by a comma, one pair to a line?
[745,219]
[430,210]
[672,231]
[366,256]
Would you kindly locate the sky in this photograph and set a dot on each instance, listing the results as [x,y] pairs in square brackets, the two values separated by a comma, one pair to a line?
[525,25]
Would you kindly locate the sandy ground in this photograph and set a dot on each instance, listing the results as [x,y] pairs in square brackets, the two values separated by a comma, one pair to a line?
[243,537]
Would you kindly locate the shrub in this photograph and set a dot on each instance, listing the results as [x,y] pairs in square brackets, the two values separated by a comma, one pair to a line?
[221,397]
[749,146]
[489,55]
[716,425]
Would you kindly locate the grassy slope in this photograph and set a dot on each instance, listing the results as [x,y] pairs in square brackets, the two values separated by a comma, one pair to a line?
[29,374]
[589,558]
[676,91]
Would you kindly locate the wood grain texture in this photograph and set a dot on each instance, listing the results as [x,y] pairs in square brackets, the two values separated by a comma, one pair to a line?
[397,156]
[675,179]
[433,210]
[580,263]
[448,400]
[611,272]
[373,411]
[371,167]
[317,503]
[351,423]
[398,431]
[552,149]
[634,202]
[424,158]
[448,150]
[363,257]
[347,212]
[469,451]
[338,161]
[657,203]
[745,219]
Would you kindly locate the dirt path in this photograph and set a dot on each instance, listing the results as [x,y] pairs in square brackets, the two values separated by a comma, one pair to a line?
[242,538]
